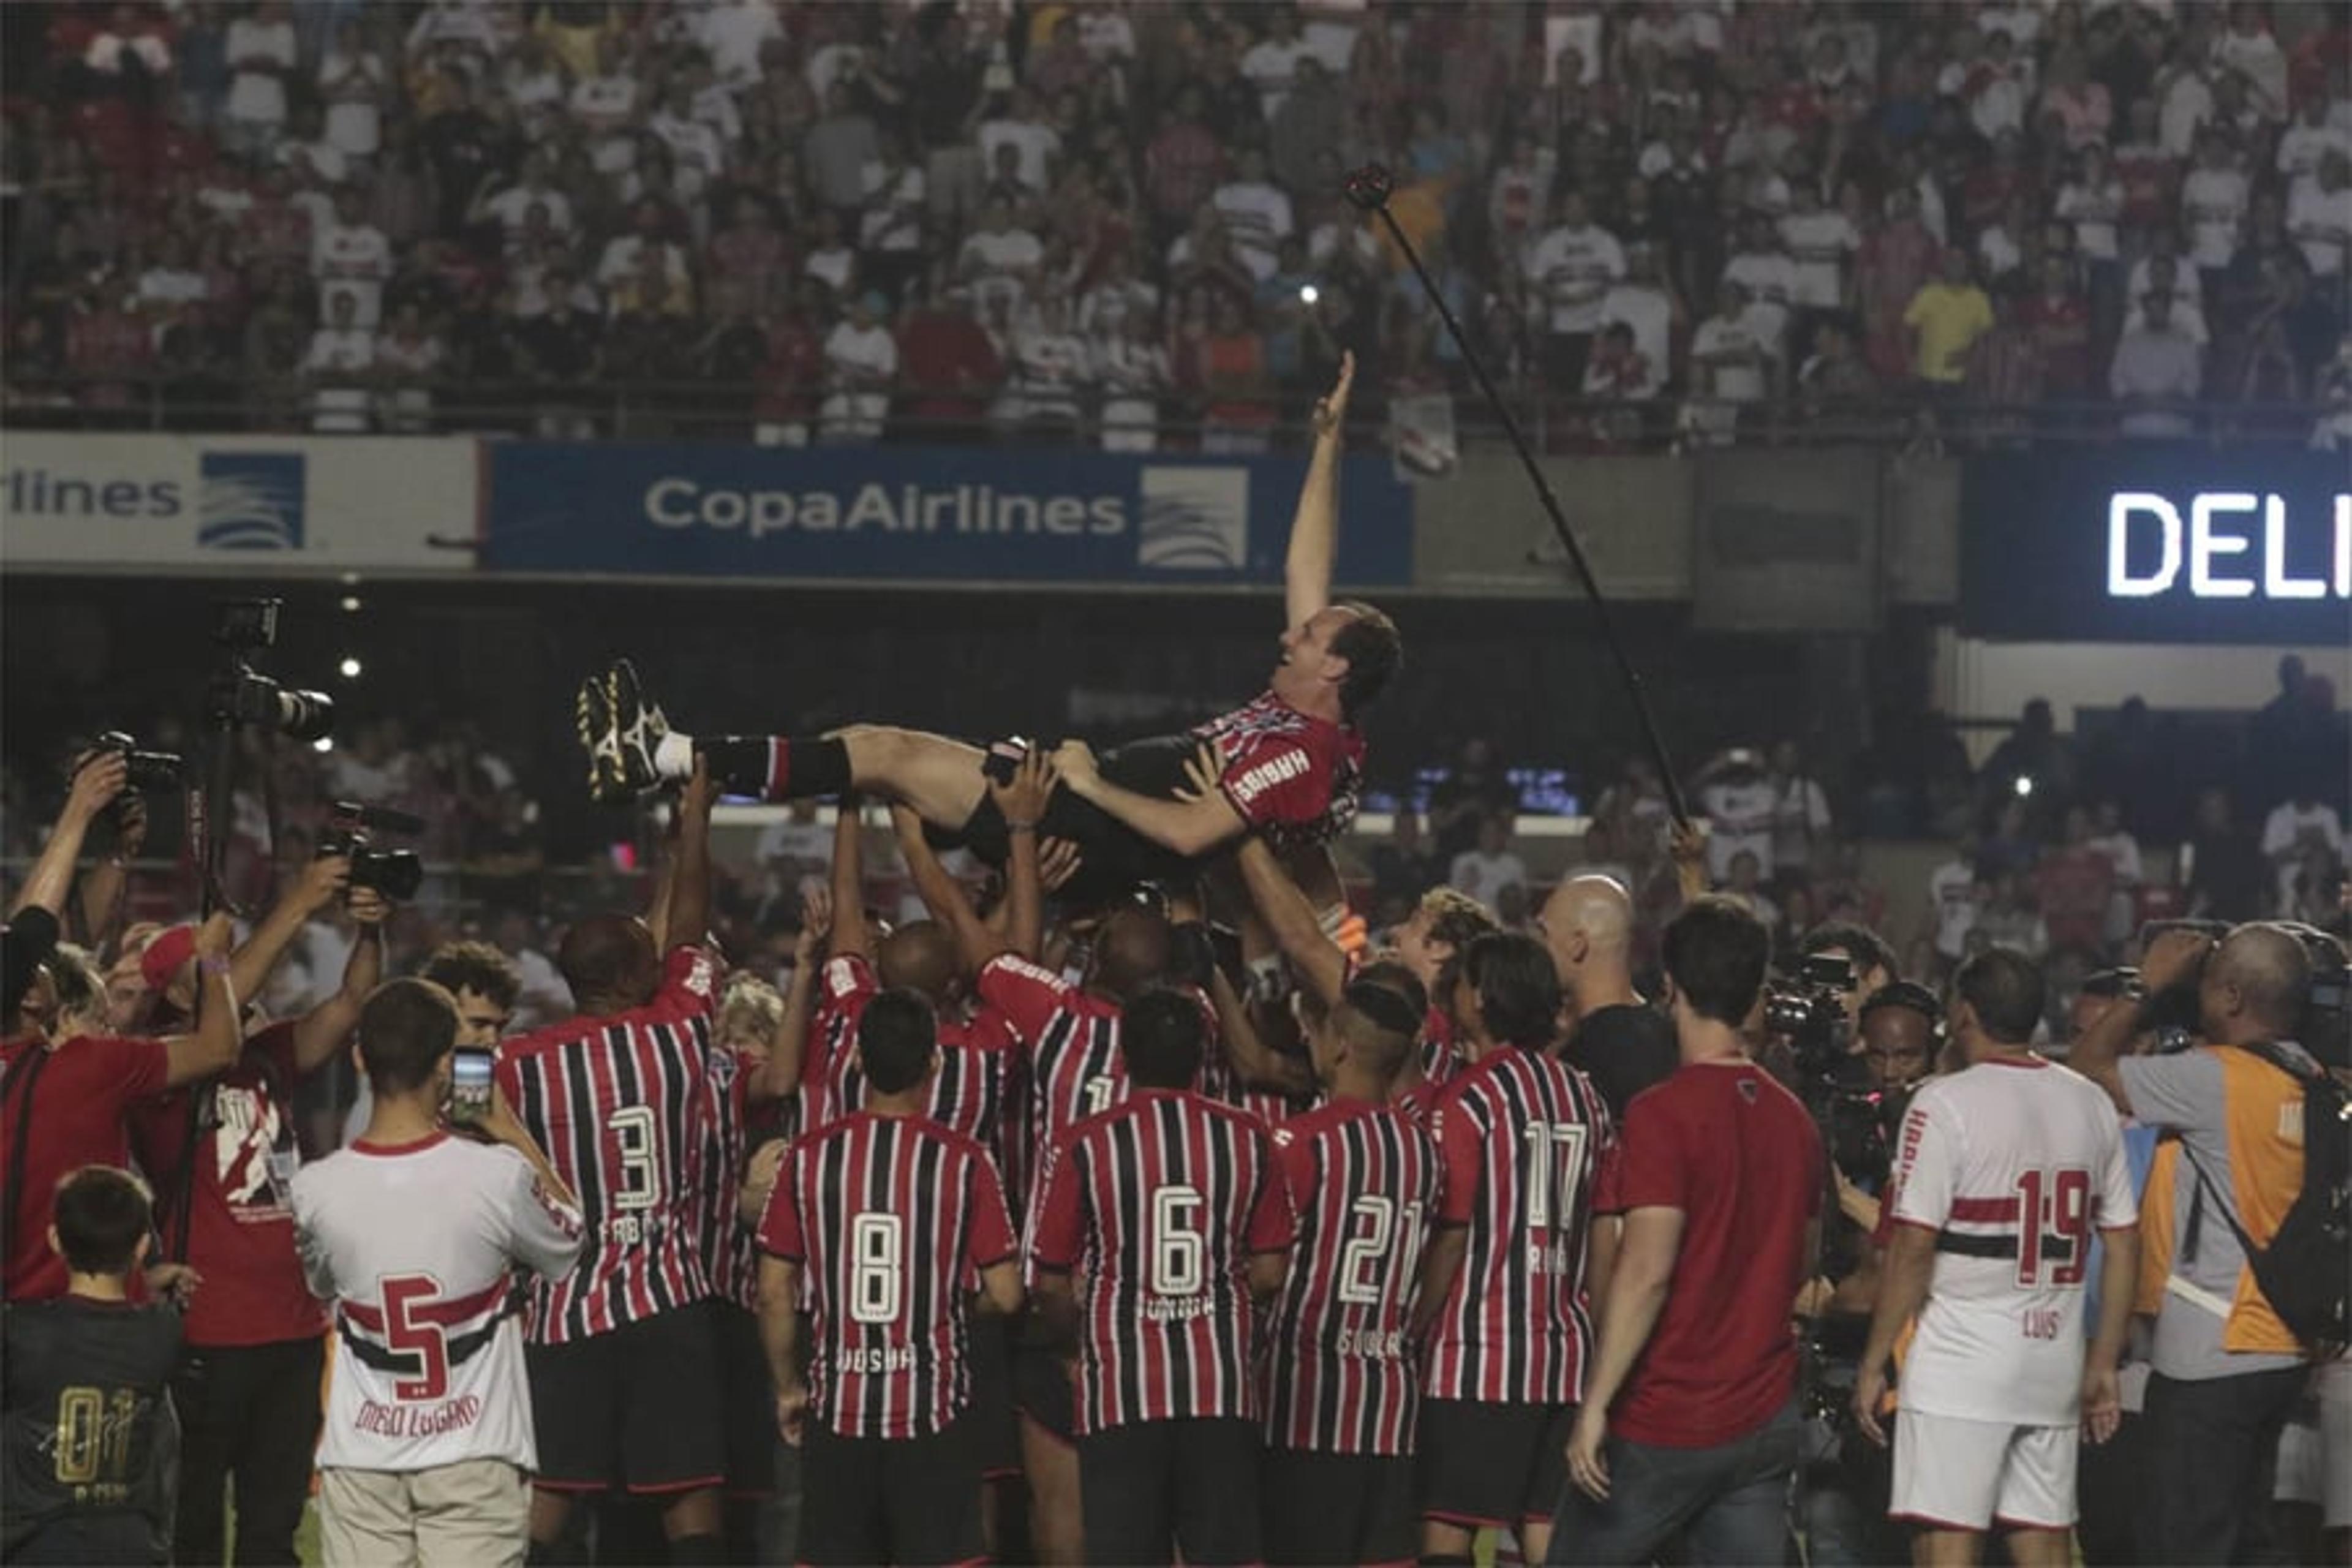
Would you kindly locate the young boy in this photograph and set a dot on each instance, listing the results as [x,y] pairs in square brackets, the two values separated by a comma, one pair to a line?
[91,1443]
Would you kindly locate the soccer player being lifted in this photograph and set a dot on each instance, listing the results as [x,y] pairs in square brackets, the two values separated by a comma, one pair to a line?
[1293,759]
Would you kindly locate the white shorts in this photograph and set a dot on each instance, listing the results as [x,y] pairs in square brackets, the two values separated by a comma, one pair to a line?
[1953,1473]
[2314,1456]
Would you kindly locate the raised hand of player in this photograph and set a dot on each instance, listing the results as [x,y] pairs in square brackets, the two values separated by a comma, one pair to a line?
[1588,1467]
[792,1410]
[816,924]
[699,794]
[1074,761]
[1058,860]
[1869,1393]
[1203,769]
[1331,408]
[2103,1402]
[1024,799]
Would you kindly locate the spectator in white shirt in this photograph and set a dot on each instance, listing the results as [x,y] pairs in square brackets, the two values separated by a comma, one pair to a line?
[861,360]
[1822,242]
[173,281]
[1739,802]
[261,55]
[1483,872]
[2213,204]
[1131,365]
[1743,884]
[2093,201]
[1051,369]
[1768,273]
[2319,215]
[534,188]
[2184,100]
[1272,61]
[1258,214]
[2300,837]
[999,260]
[354,82]
[2247,49]
[408,355]
[350,258]
[620,257]
[733,32]
[2172,278]
[336,367]
[1569,272]
[1024,127]
[2311,137]
[1730,366]
[1800,811]
[2157,369]
[1644,301]
[699,151]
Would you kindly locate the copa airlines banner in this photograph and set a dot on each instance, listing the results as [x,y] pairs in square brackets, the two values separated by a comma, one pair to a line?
[244,504]
[2246,544]
[897,513]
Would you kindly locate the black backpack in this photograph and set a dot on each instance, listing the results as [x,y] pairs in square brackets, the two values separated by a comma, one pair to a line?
[2306,1273]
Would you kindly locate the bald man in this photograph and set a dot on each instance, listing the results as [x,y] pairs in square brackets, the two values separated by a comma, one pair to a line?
[2227,1374]
[1620,1042]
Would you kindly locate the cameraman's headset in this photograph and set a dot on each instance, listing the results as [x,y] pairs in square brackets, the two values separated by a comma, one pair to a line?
[1917,998]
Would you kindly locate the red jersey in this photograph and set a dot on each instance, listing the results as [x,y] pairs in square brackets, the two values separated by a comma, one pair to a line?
[619,1104]
[727,1249]
[1295,779]
[893,1219]
[1439,1059]
[1739,1156]
[1071,1039]
[80,1094]
[1160,1202]
[1364,1180]
[969,1096]
[1522,1136]
[238,1205]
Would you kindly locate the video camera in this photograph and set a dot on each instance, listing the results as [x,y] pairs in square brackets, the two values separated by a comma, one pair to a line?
[239,695]
[395,873]
[2325,1030]
[1809,1012]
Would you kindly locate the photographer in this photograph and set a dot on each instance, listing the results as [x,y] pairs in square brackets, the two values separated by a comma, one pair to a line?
[1697,1373]
[2226,1371]
[63,1104]
[222,1160]
[416,1237]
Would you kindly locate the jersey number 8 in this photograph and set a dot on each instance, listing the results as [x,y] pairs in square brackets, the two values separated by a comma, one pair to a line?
[874,1272]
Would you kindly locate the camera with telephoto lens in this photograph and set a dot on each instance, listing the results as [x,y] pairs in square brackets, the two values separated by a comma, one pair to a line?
[395,873]
[1810,1013]
[148,773]
[240,695]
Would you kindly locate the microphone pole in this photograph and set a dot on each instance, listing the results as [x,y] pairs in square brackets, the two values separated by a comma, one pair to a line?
[1368,189]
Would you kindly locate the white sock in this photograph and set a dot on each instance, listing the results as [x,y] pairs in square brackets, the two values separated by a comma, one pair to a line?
[674,756]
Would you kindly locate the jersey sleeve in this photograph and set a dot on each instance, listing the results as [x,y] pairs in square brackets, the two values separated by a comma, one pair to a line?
[1277,778]
[309,1245]
[140,1069]
[1652,1169]
[543,1232]
[1462,1155]
[992,1240]
[1272,1219]
[1926,1169]
[1059,1229]
[2183,1090]
[1294,1159]
[1025,993]
[779,1222]
[2118,1201]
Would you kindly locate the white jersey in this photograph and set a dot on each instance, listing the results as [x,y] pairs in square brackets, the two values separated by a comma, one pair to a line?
[416,1247]
[2012,1163]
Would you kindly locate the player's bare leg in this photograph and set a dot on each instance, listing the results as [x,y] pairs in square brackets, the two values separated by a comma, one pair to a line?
[2040,1548]
[1960,1549]
[1444,1542]
[1534,1539]
[1057,1526]
[632,749]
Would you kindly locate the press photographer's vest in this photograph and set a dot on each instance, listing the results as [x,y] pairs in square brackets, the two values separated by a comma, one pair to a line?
[2262,1112]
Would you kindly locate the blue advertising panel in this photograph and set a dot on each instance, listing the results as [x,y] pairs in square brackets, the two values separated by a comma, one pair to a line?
[2244,545]
[896,513]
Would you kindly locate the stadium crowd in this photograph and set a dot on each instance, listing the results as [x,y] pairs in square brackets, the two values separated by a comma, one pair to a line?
[1680,220]
[1127,1199]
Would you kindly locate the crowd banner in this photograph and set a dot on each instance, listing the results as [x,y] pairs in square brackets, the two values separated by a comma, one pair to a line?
[887,513]
[2157,544]
[70,502]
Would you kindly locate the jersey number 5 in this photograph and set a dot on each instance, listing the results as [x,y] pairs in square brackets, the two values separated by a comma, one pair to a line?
[409,1331]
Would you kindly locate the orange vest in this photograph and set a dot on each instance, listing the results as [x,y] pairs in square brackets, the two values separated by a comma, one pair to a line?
[2262,1113]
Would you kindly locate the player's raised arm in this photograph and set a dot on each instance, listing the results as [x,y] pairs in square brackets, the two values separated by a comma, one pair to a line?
[1315,530]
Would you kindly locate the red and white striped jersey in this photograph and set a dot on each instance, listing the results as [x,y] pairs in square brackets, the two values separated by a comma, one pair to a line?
[1521,1136]
[728,1249]
[972,1092]
[892,1218]
[620,1106]
[1075,1068]
[2012,1163]
[1295,778]
[1339,1372]
[415,1246]
[1439,1059]
[1158,1205]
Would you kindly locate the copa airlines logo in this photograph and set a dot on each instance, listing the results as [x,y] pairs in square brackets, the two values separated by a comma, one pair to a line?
[2226,544]
[974,509]
[249,501]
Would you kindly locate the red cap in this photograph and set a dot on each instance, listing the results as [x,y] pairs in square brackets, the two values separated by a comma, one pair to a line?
[165,954]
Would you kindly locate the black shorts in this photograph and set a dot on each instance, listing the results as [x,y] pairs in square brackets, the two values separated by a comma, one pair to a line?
[995,1428]
[871,1499]
[1042,1388]
[1338,1508]
[1113,856]
[1154,1489]
[638,1407]
[746,1401]
[1492,1465]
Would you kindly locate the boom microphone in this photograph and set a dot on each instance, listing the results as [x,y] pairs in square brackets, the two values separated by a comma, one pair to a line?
[1368,189]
